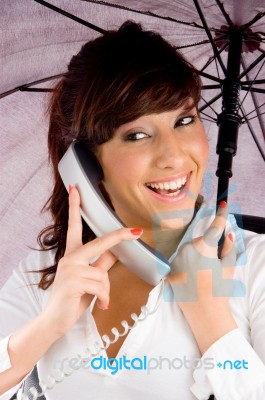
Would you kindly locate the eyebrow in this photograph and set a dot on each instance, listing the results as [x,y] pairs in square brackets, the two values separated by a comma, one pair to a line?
[185,108]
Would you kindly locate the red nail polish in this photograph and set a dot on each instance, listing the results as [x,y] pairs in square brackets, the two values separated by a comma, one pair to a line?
[222,204]
[137,231]
[70,187]
[231,237]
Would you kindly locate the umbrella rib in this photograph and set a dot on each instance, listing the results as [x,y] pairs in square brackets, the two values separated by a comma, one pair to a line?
[149,13]
[211,87]
[250,86]
[22,89]
[255,109]
[210,107]
[254,101]
[255,19]
[228,20]
[258,115]
[252,133]
[208,32]
[208,103]
[251,66]
[257,82]
[216,66]
[192,45]
[212,58]
[254,90]
[212,119]
[206,119]
[27,85]
[71,16]
[211,77]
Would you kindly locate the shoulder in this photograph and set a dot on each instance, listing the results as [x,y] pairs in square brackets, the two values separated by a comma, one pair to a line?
[250,270]
[28,270]
[255,266]
[252,251]
[37,260]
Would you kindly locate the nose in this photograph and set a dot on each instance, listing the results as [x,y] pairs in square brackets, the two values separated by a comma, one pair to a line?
[170,152]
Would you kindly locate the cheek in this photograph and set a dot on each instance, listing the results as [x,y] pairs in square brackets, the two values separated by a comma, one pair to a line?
[118,170]
[201,149]
[205,149]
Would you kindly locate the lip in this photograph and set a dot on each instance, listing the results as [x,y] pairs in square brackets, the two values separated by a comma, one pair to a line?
[172,199]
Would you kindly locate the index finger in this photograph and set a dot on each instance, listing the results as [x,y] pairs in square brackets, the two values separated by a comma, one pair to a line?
[103,243]
[75,228]
[217,227]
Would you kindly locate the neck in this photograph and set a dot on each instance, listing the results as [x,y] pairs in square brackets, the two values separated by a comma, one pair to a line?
[164,241]
[166,234]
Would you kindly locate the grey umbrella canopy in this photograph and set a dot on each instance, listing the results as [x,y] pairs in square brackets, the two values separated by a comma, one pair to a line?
[39,41]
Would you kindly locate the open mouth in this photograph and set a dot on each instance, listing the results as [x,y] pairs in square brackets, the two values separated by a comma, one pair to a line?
[170,188]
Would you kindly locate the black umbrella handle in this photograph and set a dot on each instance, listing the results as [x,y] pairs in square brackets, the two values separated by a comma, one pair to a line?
[229,120]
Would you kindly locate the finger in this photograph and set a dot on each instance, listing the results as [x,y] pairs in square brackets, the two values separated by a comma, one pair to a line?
[228,255]
[105,261]
[228,244]
[216,229]
[99,245]
[100,290]
[95,274]
[74,231]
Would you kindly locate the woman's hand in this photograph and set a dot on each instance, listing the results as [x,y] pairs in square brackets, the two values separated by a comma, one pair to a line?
[77,281]
[202,283]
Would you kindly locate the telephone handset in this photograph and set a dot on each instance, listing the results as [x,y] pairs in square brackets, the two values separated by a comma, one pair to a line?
[80,168]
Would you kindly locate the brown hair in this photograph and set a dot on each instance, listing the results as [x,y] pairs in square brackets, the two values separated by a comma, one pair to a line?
[114,79]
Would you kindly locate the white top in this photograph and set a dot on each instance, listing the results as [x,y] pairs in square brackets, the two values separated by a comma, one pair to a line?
[158,357]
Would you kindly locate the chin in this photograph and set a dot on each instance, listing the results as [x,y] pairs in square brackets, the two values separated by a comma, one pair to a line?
[173,219]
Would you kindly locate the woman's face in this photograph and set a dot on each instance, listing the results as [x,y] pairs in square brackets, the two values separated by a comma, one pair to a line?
[155,165]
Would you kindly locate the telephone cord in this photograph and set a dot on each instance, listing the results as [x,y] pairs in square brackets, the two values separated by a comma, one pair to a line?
[61,374]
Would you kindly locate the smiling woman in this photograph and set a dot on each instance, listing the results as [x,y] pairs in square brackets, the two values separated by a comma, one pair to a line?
[168,152]
[130,100]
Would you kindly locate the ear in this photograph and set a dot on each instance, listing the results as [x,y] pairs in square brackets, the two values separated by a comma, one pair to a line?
[105,194]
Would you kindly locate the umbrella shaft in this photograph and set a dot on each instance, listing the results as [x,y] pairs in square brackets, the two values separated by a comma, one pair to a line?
[229,120]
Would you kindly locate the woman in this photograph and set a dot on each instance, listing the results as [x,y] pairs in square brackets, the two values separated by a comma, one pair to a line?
[131,99]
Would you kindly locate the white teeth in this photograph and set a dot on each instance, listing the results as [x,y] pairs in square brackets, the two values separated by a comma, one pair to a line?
[169,185]
[174,193]
[173,185]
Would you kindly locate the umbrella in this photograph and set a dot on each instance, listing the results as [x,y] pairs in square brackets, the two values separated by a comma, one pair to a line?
[224,40]
[39,39]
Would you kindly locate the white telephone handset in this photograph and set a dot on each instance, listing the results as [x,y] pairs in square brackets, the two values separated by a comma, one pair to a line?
[79,168]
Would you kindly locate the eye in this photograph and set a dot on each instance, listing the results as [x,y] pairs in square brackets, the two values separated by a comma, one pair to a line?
[135,136]
[184,121]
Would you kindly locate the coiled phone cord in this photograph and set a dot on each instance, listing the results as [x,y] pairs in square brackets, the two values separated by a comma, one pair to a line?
[61,374]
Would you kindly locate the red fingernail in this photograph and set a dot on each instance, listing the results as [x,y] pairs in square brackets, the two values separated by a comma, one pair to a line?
[137,231]
[222,204]
[70,187]
[231,237]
